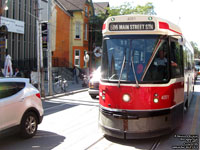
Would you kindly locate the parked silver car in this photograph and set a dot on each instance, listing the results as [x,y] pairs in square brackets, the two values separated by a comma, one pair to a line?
[20,107]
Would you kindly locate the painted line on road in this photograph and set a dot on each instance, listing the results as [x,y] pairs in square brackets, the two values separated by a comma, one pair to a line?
[46,109]
[195,118]
[64,94]
[71,102]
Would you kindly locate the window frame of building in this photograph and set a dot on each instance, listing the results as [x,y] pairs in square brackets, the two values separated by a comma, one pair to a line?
[77,57]
[78,30]
[86,11]
[14,7]
[19,11]
[85,63]
[86,32]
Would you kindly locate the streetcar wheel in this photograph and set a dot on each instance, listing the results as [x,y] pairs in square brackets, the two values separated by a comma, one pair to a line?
[29,124]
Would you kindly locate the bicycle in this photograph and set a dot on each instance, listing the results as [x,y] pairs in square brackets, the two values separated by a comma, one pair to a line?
[60,84]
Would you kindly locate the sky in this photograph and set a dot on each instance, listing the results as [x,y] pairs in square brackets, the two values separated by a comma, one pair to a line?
[184,13]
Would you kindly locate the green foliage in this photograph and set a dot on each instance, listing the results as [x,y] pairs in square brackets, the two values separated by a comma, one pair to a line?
[147,9]
[196,49]
[124,9]
[128,8]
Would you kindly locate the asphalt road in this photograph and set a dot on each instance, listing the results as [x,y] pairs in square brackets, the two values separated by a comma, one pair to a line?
[71,123]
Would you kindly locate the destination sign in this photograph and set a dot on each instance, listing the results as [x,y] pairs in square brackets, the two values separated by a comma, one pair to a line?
[131,26]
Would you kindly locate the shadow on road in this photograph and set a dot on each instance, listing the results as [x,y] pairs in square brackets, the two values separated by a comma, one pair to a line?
[42,140]
[51,107]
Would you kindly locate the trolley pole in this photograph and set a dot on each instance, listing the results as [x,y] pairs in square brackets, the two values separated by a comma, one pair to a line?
[49,50]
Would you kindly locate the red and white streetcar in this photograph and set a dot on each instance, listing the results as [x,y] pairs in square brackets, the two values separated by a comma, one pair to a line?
[147,77]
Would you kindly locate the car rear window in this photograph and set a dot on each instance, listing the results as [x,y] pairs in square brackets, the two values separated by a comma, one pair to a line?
[10,88]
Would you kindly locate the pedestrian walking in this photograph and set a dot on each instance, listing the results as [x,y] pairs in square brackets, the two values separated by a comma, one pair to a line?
[17,73]
[76,74]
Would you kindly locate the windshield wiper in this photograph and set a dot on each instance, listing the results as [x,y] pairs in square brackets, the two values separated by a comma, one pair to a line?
[137,84]
[123,63]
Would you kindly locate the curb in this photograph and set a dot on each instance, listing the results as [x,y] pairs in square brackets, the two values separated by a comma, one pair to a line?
[63,94]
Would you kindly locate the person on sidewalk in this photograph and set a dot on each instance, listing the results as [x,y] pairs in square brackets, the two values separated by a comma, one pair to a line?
[76,74]
[17,73]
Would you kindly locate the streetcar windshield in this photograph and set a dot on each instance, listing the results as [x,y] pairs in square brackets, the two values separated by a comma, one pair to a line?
[135,58]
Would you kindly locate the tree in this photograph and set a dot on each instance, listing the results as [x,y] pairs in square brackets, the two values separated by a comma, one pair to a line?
[124,9]
[128,8]
[196,49]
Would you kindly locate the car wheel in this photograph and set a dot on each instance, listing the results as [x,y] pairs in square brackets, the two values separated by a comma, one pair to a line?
[29,125]
[93,96]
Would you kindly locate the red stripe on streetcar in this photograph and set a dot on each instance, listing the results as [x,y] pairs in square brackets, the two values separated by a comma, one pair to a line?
[104,26]
[164,25]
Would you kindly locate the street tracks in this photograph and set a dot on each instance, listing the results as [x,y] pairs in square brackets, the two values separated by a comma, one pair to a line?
[155,144]
[93,144]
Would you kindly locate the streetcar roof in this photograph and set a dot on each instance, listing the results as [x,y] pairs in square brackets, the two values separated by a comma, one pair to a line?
[140,24]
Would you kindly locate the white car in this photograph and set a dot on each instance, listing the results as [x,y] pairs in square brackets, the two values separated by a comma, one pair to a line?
[94,83]
[20,107]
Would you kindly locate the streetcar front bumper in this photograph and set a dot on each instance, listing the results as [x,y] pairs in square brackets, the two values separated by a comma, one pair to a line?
[136,124]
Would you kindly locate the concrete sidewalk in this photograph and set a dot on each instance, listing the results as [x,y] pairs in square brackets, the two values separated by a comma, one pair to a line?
[72,88]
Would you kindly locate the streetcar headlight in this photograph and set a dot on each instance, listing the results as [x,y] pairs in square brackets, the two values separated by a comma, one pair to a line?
[155,100]
[126,98]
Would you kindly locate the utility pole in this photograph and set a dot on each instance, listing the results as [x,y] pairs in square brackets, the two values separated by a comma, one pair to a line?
[38,55]
[40,66]
[49,49]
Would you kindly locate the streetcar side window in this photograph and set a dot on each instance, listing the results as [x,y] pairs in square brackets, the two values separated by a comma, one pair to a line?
[159,70]
[176,60]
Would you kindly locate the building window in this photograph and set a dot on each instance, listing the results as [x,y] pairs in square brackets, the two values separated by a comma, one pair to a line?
[20,4]
[77,58]
[86,11]
[14,9]
[78,30]
[85,63]
[85,36]
[25,10]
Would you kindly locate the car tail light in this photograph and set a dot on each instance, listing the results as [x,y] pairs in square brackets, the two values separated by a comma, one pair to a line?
[38,95]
